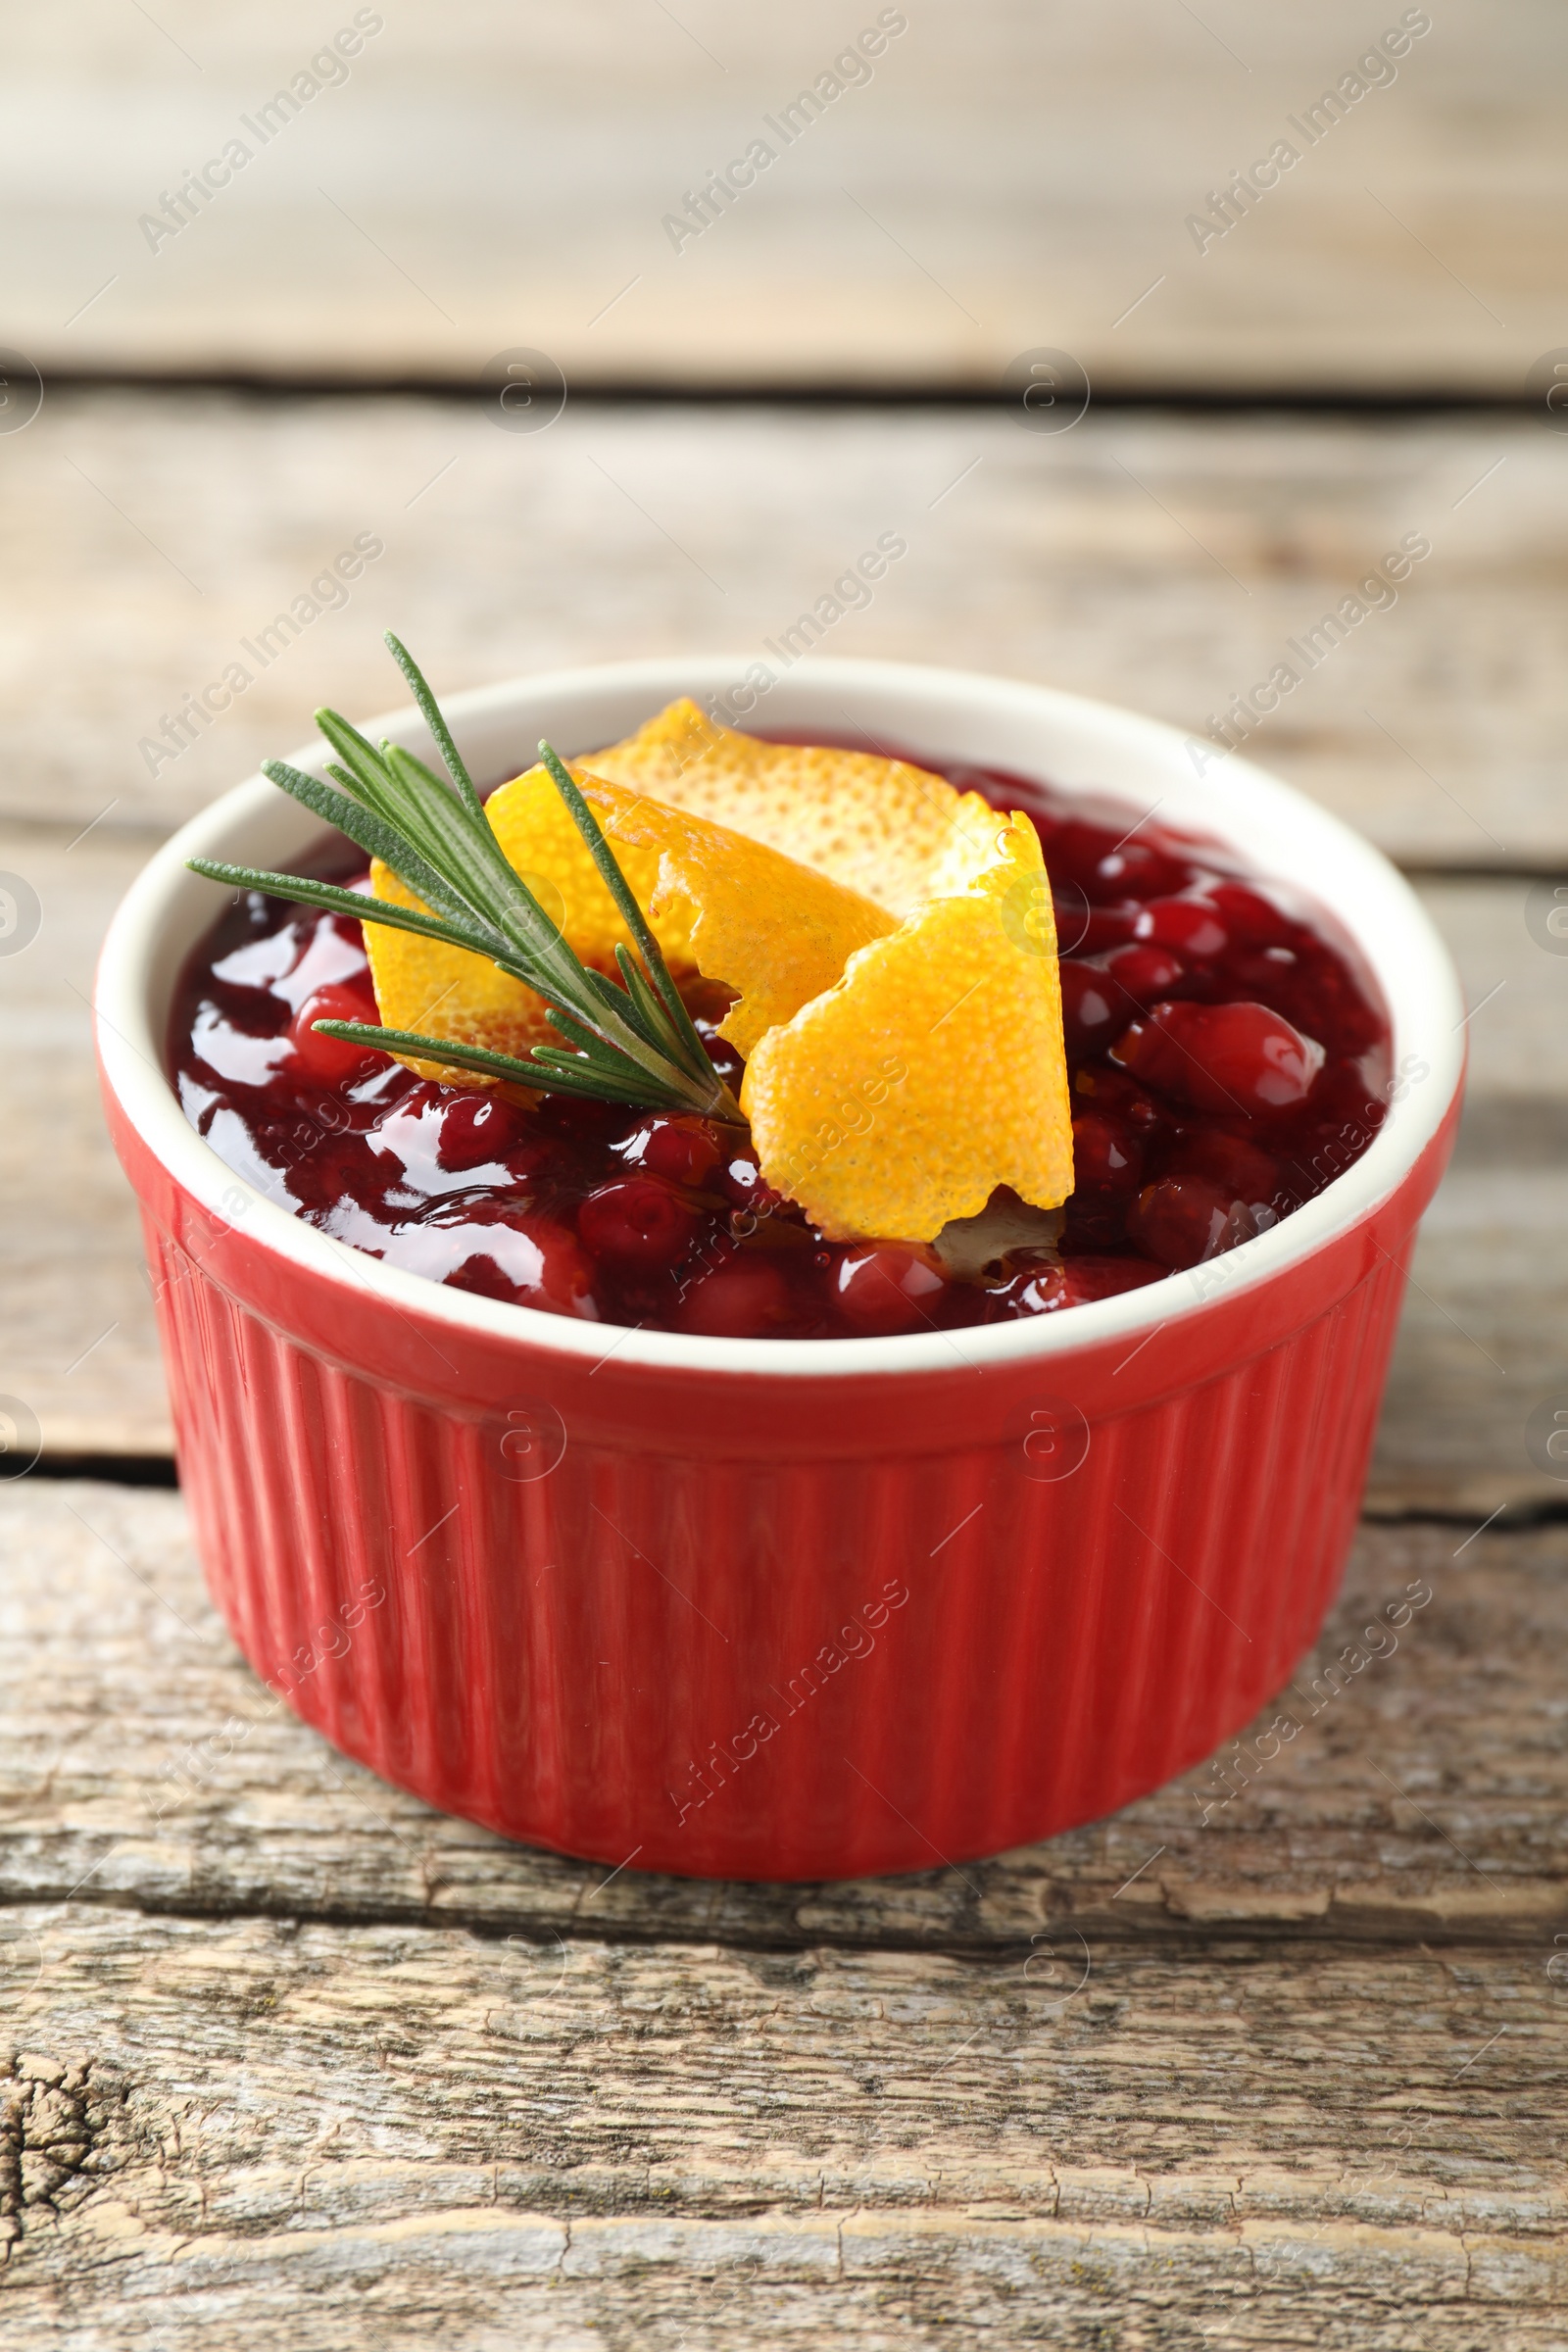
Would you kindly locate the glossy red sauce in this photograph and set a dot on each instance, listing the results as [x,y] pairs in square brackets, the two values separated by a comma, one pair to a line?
[1227,1064]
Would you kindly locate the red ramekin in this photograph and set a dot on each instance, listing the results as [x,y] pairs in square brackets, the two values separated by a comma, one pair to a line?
[777,1609]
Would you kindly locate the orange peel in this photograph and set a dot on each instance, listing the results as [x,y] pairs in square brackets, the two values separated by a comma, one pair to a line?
[717,902]
[890,943]
[889,831]
[933,1071]
[769,927]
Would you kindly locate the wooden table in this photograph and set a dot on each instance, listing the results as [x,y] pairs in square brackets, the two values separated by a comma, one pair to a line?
[987,183]
[284,2057]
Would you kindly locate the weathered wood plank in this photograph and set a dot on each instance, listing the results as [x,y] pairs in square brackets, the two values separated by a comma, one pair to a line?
[80,1345]
[1481,1337]
[1276,2057]
[1419,1799]
[1159,562]
[997,183]
[266,2132]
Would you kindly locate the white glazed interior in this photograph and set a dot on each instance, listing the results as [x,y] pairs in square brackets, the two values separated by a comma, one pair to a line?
[999,723]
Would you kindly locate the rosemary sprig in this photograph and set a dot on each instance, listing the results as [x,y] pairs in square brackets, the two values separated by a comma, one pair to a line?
[632,1042]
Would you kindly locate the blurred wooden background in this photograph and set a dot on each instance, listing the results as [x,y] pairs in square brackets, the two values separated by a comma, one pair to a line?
[1008,176]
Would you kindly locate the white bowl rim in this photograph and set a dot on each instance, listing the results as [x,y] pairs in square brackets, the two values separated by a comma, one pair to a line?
[1243,806]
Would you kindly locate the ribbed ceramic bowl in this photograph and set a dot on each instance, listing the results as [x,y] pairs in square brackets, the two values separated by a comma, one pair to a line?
[766,1608]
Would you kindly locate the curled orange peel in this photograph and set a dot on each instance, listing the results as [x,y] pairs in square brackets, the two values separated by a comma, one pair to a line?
[904,1043]
[893,833]
[933,1071]
[769,927]
[719,903]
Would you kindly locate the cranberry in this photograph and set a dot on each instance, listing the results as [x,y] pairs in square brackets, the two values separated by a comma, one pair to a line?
[1086,1279]
[339,1171]
[1103,1154]
[886,1287]
[1222,1057]
[1107,927]
[638,1222]
[1261,968]
[1111,864]
[1038,1286]
[1072,914]
[528,1260]
[1092,1010]
[747,1297]
[1045,1289]
[475,1129]
[684,1149]
[1146,973]
[1181,1221]
[538,1160]
[723,1056]
[1107,1164]
[1135,870]
[328,1061]
[1076,850]
[1189,925]
[745,1187]
[482,1278]
[1114,1093]
[1234,1163]
[1248,917]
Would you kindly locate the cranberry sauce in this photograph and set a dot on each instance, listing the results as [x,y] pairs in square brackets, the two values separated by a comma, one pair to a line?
[1226,1066]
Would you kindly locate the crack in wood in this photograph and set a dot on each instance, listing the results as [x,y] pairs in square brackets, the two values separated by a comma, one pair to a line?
[57,2126]
[1172,1934]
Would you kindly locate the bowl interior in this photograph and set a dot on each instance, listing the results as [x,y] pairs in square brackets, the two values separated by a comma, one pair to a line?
[1035,731]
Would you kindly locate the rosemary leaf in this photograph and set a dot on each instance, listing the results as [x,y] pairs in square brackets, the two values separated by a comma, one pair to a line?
[464,844]
[372,832]
[604,857]
[563,1073]
[641,994]
[549,1070]
[586,1039]
[308,893]
[431,1048]
[363,771]
[632,1043]
[623,1001]
[434,721]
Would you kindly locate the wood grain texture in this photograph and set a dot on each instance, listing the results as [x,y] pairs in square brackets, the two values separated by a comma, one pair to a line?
[301,2061]
[255,2132]
[1007,178]
[1153,560]
[1484,1336]
[79,1344]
